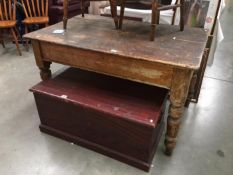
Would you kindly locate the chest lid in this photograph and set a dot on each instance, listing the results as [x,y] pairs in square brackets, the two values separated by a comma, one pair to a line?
[124,99]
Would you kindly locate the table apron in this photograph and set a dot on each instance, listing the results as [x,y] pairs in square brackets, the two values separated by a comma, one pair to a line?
[111,64]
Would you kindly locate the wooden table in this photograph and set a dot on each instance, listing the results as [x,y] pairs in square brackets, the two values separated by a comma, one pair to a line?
[92,43]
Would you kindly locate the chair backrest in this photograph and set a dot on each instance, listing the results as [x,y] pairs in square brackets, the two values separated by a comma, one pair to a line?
[7,10]
[35,8]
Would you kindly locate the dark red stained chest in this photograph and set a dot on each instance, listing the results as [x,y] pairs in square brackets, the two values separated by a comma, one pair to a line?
[119,118]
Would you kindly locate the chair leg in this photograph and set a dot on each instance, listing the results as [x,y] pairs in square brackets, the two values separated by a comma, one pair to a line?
[16,40]
[182,15]
[2,42]
[174,13]
[65,13]
[158,17]
[1,39]
[26,40]
[122,13]
[153,19]
[82,8]
[18,34]
[114,12]
[174,16]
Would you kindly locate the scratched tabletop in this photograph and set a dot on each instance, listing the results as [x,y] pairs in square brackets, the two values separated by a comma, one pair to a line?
[96,33]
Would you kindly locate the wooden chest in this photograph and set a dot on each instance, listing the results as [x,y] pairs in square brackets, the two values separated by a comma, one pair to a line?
[116,117]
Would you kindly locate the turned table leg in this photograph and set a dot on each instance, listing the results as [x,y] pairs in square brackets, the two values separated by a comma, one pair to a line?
[65,14]
[45,72]
[44,66]
[178,95]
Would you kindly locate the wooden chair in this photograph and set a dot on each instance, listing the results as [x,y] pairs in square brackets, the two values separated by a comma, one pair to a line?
[156,8]
[36,12]
[113,4]
[8,20]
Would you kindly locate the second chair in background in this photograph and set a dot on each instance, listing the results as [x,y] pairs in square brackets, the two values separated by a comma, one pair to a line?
[8,21]
[36,12]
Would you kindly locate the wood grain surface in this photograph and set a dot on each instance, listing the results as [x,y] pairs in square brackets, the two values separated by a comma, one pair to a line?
[171,46]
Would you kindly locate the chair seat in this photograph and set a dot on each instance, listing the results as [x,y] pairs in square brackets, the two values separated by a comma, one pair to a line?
[7,24]
[36,20]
